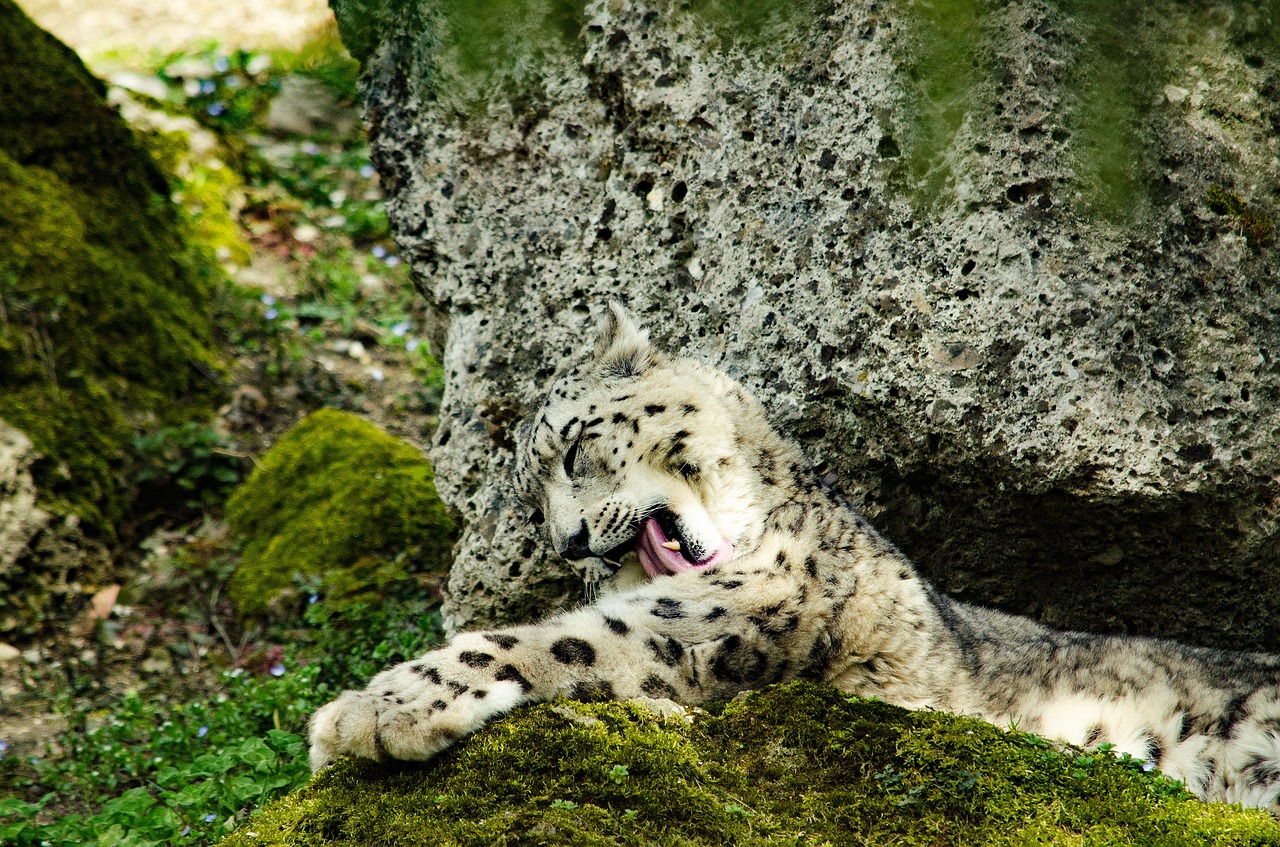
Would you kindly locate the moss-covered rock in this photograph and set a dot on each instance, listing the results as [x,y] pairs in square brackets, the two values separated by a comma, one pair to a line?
[105,308]
[794,764]
[336,499]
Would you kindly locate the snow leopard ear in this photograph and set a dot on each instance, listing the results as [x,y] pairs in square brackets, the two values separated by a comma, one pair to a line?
[622,347]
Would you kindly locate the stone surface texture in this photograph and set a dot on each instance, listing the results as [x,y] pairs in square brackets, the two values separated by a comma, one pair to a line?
[20,517]
[1060,413]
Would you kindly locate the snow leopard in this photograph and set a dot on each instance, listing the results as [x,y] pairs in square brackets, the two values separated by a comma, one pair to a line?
[728,565]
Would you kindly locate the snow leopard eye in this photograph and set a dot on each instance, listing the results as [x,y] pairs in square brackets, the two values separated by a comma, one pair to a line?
[570,459]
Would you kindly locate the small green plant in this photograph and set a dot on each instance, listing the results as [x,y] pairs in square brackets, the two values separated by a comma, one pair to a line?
[195,458]
[152,772]
[618,773]
[1258,228]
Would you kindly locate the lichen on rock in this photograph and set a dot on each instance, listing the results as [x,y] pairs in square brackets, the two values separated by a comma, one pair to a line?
[341,504]
[793,764]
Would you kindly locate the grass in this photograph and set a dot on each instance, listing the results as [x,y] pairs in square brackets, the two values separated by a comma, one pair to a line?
[150,771]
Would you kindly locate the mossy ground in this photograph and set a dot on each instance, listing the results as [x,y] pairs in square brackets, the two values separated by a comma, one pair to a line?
[794,764]
[337,500]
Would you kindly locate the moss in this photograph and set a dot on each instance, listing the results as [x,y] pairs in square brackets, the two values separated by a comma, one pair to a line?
[794,764]
[948,69]
[1257,227]
[105,319]
[336,499]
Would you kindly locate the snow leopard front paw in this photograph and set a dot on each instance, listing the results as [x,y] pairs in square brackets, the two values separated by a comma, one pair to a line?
[416,709]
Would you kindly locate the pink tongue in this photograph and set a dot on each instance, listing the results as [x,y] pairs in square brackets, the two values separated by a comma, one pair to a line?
[660,561]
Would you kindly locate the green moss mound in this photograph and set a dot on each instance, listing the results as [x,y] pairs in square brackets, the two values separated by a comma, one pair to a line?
[105,311]
[794,764]
[336,499]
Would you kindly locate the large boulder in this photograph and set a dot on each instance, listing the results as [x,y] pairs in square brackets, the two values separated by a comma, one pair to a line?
[105,314]
[1008,273]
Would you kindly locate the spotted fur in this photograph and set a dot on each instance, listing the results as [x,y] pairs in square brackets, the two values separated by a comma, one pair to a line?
[812,591]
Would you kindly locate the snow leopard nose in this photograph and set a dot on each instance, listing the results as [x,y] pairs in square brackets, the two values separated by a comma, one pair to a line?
[577,547]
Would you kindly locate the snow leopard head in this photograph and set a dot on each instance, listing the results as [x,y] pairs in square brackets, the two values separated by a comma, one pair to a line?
[641,463]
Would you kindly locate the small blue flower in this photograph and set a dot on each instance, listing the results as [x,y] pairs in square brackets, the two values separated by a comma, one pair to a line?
[367,171]
[221,64]
[216,109]
[392,261]
[411,344]
[377,375]
[210,818]
[313,599]
[185,830]
[378,251]
[310,148]
[268,300]
[4,745]
[398,330]
[1148,766]
[277,669]
[208,86]
[271,314]
[202,731]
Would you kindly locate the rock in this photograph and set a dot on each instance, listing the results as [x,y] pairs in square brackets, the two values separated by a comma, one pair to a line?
[341,505]
[305,106]
[20,517]
[105,322]
[796,764]
[973,265]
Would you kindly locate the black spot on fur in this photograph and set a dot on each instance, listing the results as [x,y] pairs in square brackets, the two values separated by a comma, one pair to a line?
[429,674]
[1155,752]
[657,688]
[717,612]
[689,409]
[506,642]
[668,609]
[594,691]
[475,659]
[1091,737]
[440,705]
[654,408]
[775,627]
[728,584]
[1232,715]
[1263,771]
[811,567]
[738,663]
[1186,729]
[480,694]
[457,688]
[573,651]
[668,652]
[564,430]
[509,673]
[619,417]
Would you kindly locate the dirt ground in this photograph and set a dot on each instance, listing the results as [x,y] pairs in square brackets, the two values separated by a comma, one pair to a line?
[95,27]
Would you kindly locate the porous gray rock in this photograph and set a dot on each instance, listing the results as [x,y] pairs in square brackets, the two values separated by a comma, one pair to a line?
[1020,305]
[20,517]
